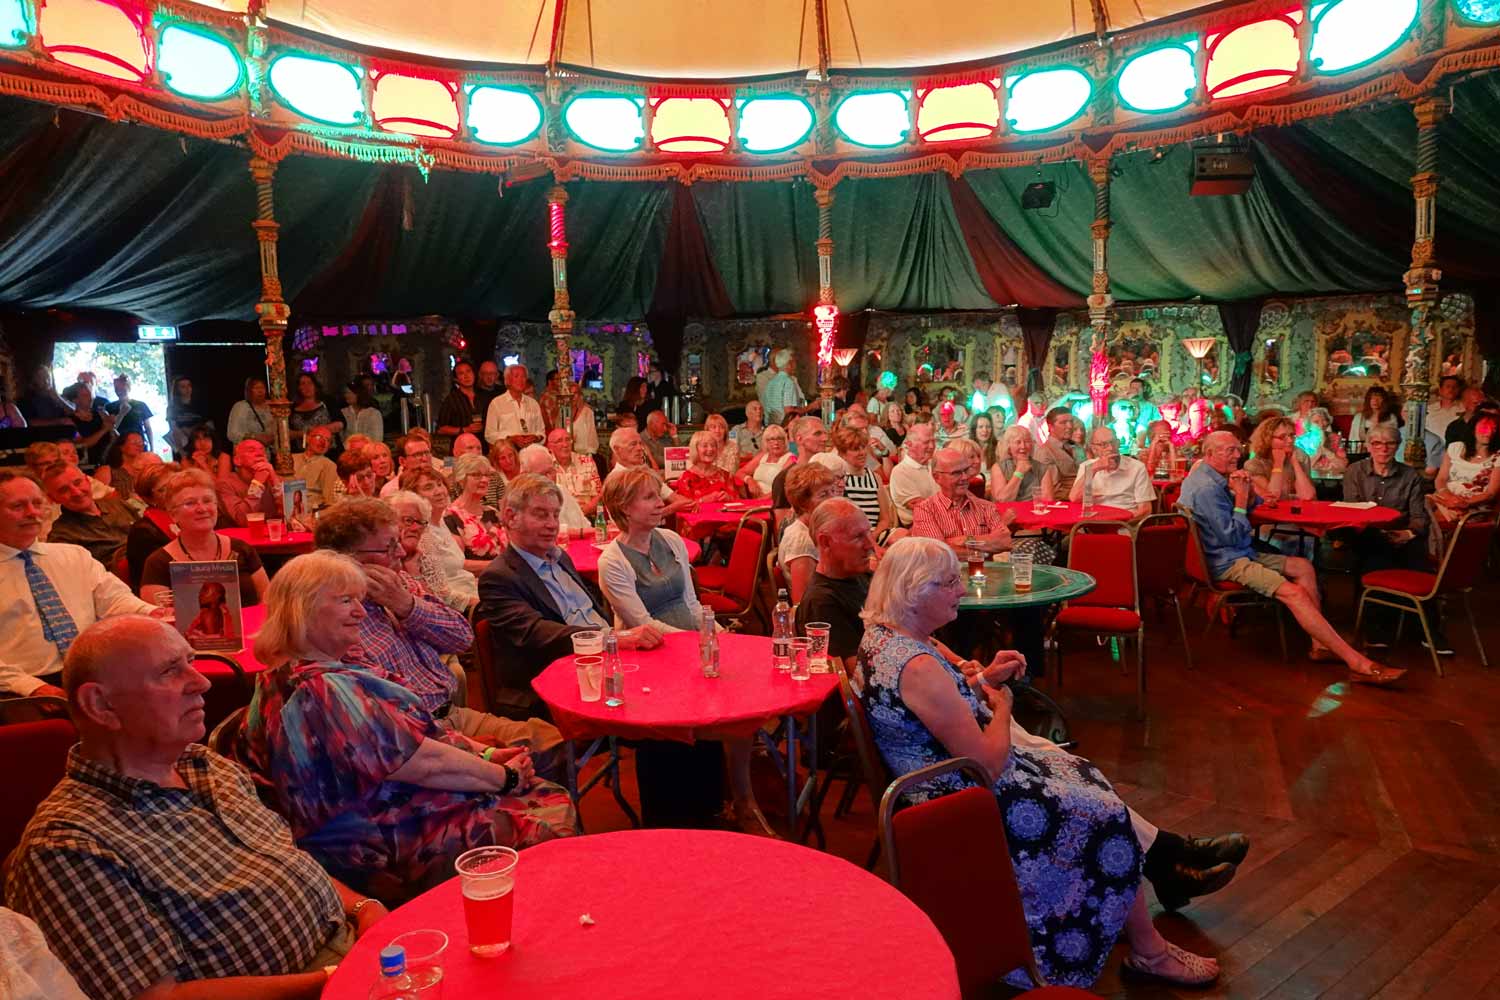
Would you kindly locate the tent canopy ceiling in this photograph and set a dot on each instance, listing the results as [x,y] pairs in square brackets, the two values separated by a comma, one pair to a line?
[710,38]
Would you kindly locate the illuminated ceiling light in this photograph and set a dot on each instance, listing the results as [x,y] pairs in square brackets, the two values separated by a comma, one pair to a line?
[97,36]
[1162,79]
[196,63]
[874,119]
[1046,98]
[690,124]
[14,28]
[1253,57]
[774,124]
[320,89]
[414,105]
[961,112]
[503,116]
[1348,34]
[606,122]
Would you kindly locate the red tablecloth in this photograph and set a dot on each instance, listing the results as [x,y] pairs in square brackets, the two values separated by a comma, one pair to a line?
[1060,516]
[585,554]
[715,515]
[292,543]
[683,704]
[251,619]
[1322,514]
[686,914]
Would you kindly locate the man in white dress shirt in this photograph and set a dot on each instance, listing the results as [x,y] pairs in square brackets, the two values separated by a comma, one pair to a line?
[48,594]
[514,415]
[629,452]
[911,479]
[1113,480]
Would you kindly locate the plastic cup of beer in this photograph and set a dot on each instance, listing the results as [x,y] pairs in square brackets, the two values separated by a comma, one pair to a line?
[801,668]
[425,950]
[256,522]
[275,529]
[487,876]
[589,642]
[590,676]
[1020,568]
[817,647]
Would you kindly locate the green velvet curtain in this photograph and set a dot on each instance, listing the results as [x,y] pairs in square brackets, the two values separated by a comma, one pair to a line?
[763,238]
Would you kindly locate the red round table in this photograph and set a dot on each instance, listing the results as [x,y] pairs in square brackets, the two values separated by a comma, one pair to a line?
[1060,516]
[585,554]
[681,704]
[1323,515]
[293,543]
[719,514]
[676,914]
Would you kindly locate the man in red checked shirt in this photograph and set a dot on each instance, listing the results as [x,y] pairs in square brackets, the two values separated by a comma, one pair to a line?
[957,516]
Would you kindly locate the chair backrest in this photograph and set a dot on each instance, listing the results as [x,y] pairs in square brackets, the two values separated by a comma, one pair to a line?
[871,765]
[1106,553]
[224,738]
[751,542]
[227,692]
[1161,553]
[484,658]
[1195,564]
[34,709]
[1468,551]
[949,856]
[33,757]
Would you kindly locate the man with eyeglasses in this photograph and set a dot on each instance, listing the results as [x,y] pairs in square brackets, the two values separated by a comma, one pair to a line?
[314,466]
[957,516]
[407,630]
[1112,479]
[1219,496]
[412,452]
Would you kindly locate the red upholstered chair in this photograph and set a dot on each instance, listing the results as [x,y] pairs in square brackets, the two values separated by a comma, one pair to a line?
[869,762]
[1113,607]
[227,692]
[37,708]
[1223,593]
[949,856]
[731,589]
[1161,546]
[33,756]
[1409,590]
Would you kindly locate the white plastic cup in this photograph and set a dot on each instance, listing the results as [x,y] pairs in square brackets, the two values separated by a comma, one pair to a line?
[589,642]
[590,676]
[275,529]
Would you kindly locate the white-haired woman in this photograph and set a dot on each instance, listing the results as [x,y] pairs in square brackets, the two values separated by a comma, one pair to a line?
[759,474]
[474,522]
[1016,475]
[193,505]
[645,572]
[442,555]
[372,785]
[704,480]
[1075,852]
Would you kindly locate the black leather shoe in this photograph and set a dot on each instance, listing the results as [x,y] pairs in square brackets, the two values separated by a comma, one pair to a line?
[1174,891]
[1205,852]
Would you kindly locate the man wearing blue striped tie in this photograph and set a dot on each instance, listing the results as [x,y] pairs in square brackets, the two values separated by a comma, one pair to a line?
[49,592]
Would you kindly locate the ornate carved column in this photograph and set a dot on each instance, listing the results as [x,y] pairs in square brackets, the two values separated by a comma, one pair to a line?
[561,317]
[1422,292]
[271,310]
[1101,303]
[826,312]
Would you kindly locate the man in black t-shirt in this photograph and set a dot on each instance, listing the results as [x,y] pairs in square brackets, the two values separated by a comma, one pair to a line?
[841,579]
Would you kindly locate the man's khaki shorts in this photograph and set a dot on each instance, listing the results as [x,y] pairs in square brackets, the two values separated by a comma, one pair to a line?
[1264,573]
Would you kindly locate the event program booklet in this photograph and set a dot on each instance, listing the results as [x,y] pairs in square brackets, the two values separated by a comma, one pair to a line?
[206,604]
[294,504]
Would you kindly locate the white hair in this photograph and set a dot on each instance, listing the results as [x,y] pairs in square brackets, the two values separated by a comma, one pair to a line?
[909,571]
[620,436]
[535,458]
[465,466]
[406,498]
[781,357]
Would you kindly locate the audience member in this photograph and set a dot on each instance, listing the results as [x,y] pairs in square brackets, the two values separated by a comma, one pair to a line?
[841,578]
[576,472]
[374,785]
[250,418]
[893,423]
[203,453]
[729,451]
[807,486]
[949,427]
[252,487]
[93,428]
[459,412]
[784,396]
[659,436]
[746,436]
[155,527]
[1016,475]
[1220,497]
[911,479]
[194,509]
[488,387]
[630,453]
[645,571]
[862,486]
[152,867]
[1112,479]
[361,413]
[513,415]
[1057,448]
[506,461]
[766,466]
[42,406]
[413,451]
[123,461]
[881,448]
[432,554]
[469,518]
[101,525]
[705,480]
[1279,470]
[538,461]
[356,476]
[313,466]
[309,410]
[1378,408]
[1461,427]
[533,598]
[955,515]
[1469,476]
[1447,407]
[584,429]
[1328,455]
[1161,450]
[381,463]
[811,439]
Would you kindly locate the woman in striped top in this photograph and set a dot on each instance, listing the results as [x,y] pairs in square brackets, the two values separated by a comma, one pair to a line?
[861,486]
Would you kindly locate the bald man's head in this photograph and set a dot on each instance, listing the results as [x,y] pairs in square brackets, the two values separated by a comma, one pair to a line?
[842,534]
[130,681]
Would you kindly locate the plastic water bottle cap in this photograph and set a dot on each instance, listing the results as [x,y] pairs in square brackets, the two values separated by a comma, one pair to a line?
[392,960]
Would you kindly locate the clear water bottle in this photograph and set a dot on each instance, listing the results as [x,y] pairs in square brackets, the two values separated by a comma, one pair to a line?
[394,983]
[614,676]
[781,632]
[601,526]
[708,643]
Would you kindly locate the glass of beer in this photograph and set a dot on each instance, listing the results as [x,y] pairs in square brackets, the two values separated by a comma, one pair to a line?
[256,522]
[1020,569]
[975,558]
[488,879]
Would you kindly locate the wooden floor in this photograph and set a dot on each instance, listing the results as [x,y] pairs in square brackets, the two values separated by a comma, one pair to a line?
[1374,814]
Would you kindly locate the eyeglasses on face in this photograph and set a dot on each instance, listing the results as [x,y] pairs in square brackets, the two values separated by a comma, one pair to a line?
[394,548]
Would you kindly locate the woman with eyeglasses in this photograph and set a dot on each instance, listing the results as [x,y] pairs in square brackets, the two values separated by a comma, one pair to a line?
[1279,470]
[193,506]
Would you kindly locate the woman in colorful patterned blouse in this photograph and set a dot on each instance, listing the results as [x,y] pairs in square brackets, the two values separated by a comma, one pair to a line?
[475,523]
[372,786]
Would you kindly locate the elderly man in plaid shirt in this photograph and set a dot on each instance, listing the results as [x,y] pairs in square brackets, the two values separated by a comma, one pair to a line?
[152,868]
[955,515]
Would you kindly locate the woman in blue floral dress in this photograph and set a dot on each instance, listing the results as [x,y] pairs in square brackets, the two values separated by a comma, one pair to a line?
[1076,855]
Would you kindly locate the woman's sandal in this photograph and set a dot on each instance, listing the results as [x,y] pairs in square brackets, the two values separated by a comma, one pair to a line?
[1193,970]
[1376,675]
